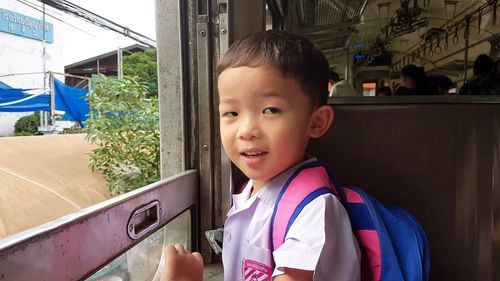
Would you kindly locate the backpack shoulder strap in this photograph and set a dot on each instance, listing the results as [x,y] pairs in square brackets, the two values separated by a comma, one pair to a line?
[307,183]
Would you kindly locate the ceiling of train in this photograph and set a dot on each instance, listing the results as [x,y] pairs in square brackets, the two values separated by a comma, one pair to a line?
[335,24]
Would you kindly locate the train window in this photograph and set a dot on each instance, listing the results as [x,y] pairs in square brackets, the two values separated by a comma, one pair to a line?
[369,89]
[55,170]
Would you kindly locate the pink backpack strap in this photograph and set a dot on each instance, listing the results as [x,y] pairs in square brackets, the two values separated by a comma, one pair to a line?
[307,183]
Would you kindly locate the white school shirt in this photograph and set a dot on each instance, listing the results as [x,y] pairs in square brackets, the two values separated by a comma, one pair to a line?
[319,240]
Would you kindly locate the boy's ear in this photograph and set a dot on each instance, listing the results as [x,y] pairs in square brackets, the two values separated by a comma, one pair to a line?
[321,120]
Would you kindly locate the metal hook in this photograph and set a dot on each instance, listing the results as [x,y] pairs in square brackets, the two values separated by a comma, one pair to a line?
[438,48]
[467,27]
[446,41]
[431,51]
[480,15]
[455,37]
[495,11]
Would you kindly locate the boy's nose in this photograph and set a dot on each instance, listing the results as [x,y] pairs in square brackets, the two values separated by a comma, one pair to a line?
[249,129]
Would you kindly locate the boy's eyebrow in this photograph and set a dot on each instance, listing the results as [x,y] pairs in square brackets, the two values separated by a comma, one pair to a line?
[270,94]
[227,100]
[273,94]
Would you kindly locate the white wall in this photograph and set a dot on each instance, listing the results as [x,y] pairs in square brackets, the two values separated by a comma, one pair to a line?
[24,55]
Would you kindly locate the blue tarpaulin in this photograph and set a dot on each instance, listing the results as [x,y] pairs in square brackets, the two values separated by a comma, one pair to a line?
[4,86]
[68,99]
[72,101]
[39,103]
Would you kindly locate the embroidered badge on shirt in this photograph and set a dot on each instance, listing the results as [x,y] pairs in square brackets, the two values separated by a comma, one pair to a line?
[256,271]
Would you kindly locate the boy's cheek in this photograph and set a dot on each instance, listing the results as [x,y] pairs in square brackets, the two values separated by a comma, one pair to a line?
[226,145]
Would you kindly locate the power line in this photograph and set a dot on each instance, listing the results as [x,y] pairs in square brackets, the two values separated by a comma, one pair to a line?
[98,20]
[40,6]
[54,17]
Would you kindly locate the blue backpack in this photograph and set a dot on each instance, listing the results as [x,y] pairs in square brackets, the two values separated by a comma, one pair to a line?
[392,243]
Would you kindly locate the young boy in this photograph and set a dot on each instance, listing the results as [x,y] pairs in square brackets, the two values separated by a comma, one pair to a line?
[273,93]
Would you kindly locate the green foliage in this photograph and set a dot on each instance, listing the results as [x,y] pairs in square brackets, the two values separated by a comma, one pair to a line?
[143,65]
[27,125]
[123,122]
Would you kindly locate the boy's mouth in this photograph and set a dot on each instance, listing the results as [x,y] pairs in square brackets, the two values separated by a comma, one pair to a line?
[251,154]
[254,158]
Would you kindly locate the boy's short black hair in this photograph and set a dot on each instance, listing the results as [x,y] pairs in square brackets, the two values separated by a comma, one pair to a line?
[293,55]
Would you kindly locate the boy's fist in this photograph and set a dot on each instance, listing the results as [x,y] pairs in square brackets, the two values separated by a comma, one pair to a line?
[181,265]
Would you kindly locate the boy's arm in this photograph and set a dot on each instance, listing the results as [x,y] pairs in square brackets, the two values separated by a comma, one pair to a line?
[320,240]
[292,274]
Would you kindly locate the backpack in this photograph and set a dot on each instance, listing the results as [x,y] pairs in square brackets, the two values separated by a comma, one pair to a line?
[393,245]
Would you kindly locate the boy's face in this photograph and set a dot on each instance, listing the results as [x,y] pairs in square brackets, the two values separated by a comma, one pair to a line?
[265,121]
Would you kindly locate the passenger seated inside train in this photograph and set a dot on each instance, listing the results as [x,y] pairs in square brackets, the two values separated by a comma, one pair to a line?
[415,82]
[383,91]
[273,100]
[272,89]
[443,84]
[339,87]
[484,82]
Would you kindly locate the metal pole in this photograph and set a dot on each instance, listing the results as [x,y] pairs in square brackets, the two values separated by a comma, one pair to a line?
[466,48]
[43,114]
[44,49]
[52,99]
[120,63]
[347,59]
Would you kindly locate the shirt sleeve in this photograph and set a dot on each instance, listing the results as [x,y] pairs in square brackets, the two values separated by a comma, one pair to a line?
[321,240]
[335,90]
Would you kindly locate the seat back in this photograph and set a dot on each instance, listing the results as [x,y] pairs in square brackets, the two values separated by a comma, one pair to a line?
[438,161]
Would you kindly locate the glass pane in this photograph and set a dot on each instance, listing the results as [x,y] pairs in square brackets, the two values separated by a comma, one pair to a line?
[144,261]
[52,162]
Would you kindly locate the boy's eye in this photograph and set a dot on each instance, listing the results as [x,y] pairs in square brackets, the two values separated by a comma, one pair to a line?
[271,110]
[230,114]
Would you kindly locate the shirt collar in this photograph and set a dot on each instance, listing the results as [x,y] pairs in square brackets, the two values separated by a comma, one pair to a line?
[268,194]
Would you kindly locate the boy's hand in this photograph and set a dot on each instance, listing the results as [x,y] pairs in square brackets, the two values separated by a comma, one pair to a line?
[181,265]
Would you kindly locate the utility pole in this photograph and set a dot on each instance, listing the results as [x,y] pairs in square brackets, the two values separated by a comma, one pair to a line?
[120,63]
[43,114]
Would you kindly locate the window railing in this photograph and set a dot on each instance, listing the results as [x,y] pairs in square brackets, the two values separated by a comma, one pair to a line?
[77,245]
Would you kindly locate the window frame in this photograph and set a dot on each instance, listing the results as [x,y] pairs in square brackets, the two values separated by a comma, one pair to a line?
[77,245]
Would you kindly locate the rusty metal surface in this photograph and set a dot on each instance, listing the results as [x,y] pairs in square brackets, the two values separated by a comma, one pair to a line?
[77,245]
[440,162]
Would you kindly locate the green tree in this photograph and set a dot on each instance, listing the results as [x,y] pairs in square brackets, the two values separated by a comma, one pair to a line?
[123,122]
[143,64]
[27,125]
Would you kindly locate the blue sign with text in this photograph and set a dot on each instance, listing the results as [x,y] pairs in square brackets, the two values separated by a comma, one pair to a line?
[19,24]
